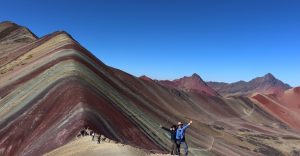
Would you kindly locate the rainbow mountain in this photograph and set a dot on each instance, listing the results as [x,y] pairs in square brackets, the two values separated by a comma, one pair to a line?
[51,87]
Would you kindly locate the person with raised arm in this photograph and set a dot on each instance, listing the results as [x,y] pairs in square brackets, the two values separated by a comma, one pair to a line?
[180,137]
[172,131]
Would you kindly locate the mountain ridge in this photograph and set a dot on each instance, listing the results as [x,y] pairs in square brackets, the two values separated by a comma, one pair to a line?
[11,33]
[267,84]
[193,83]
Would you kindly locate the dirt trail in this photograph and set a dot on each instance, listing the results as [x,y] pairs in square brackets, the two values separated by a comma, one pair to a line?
[85,146]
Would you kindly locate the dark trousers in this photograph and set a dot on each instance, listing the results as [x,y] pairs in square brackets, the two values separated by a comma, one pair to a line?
[174,150]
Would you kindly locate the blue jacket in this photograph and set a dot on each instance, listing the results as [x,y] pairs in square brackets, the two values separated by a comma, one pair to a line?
[181,132]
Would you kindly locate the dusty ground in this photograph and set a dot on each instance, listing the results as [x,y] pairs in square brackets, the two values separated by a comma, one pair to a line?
[85,146]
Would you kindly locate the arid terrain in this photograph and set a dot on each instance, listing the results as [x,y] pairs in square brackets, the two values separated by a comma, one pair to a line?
[51,87]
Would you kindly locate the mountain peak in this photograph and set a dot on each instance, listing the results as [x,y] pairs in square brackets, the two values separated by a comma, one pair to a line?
[267,84]
[144,77]
[192,83]
[194,78]
[195,75]
[269,76]
[13,33]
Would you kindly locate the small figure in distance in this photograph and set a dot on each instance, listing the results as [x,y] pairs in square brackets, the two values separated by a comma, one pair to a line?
[82,132]
[93,136]
[99,138]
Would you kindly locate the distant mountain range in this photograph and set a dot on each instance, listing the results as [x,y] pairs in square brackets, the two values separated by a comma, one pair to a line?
[266,84]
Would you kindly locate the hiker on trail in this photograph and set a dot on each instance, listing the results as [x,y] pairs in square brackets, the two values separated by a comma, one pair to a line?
[98,138]
[87,131]
[93,136]
[82,131]
[180,136]
[172,131]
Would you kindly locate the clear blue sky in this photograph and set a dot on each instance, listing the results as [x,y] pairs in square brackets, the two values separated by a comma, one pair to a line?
[221,40]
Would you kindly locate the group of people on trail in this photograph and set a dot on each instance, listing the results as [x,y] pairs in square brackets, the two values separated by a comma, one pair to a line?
[88,132]
[177,133]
